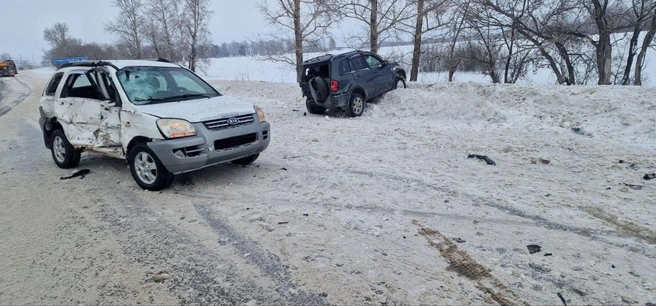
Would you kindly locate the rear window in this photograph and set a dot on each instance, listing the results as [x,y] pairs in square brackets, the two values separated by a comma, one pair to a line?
[52,86]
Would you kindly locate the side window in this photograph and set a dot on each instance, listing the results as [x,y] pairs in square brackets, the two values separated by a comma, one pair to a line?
[344,68]
[358,63]
[78,85]
[373,62]
[52,86]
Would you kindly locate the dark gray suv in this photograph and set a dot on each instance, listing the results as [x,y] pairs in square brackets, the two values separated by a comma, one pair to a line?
[347,81]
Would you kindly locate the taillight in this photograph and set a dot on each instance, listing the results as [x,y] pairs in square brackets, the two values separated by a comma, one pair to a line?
[334,85]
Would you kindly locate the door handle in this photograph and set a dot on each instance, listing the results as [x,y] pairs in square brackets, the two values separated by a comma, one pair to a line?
[357,75]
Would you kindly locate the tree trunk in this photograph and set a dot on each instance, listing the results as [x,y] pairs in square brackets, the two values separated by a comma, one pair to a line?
[373,26]
[603,47]
[298,40]
[640,61]
[562,50]
[632,52]
[416,50]
[452,64]
[511,46]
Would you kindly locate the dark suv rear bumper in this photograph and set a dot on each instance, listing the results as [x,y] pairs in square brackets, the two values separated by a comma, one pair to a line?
[336,101]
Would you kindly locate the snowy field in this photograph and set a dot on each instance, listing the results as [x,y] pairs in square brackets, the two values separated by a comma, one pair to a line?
[558,183]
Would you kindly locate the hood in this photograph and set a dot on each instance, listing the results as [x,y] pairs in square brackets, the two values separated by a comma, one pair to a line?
[198,110]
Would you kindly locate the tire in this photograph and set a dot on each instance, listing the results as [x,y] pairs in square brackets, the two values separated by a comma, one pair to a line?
[313,108]
[147,170]
[63,153]
[246,160]
[320,89]
[355,107]
[399,80]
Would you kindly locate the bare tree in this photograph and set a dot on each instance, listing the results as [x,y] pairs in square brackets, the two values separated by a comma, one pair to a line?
[639,15]
[547,25]
[308,20]
[428,17]
[58,36]
[647,41]
[380,17]
[128,27]
[196,25]
[164,30]
[460,14]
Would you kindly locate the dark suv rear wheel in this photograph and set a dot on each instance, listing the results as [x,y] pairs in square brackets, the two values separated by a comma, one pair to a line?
[355,107]
[313,108]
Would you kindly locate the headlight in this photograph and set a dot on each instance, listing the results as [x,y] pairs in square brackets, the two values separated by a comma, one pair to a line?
[260,114]
[175,128]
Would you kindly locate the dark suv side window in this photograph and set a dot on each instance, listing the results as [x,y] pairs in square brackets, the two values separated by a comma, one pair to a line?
[358,63]
[373,61]
[52,86]
[344,68]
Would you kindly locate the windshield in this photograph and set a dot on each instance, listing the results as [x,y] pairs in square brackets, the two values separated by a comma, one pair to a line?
[149,85]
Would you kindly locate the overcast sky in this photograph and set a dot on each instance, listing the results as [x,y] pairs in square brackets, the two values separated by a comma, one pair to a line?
[23,21]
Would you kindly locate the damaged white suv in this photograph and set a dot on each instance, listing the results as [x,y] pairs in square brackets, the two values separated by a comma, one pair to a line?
[162,118]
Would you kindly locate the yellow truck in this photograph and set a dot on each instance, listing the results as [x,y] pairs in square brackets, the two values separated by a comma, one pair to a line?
[8,68]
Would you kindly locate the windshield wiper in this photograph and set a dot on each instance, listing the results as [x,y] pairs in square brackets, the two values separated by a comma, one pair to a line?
[173,98]
[186,96]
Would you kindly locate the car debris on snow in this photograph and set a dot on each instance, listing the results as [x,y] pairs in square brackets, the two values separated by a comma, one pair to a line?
[483,157]
[533,248]
[81,173]
[634,187]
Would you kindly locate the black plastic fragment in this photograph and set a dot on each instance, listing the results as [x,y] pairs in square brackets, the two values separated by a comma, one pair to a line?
[76,173]
[534,248]
[483,157]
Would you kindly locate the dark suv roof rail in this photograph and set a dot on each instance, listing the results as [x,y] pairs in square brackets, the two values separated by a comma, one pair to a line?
[88,64]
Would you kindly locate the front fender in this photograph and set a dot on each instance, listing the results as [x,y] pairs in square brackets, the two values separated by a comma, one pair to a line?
[137,124]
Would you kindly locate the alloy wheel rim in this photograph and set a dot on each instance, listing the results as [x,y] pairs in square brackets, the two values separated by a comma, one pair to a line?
[59,150]
[357,105]
[145,166]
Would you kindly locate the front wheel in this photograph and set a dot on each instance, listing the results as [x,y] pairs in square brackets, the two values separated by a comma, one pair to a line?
[400,82]
[355,108]
[246,160]
[63,153]
[147,170]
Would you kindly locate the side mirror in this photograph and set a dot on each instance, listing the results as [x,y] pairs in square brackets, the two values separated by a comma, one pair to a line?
[385,63]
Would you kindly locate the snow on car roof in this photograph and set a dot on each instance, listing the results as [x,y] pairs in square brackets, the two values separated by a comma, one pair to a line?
[127,63]
[119,64]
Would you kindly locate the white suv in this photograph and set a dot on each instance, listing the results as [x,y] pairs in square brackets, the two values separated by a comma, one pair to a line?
[162,118]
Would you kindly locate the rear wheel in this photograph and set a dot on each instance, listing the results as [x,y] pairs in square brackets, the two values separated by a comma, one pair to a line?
[246,160]
[63,153]
[147,170]
[355,108]
[313,107]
